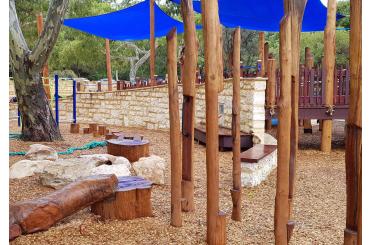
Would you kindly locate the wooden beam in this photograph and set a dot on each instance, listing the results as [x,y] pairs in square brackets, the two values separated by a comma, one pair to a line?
[236,190]
[216,220]
[309,64]
[284,128]
[266,57]
[175,131]
[353,149]
[188,82]
[329,62]
[152,43]
[39,19]
[108,65]
[261,52]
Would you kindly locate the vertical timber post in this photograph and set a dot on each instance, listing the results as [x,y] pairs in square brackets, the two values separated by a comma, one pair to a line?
[18,117]
[309,64]
[152,43]
[329,62]
[175,131]
[261,53]
[188,84]
[74,101]
[108,65]
[284,128]
[45,73]
[236,190]
[270,89]
[56,106]
[353,149]
[216,220]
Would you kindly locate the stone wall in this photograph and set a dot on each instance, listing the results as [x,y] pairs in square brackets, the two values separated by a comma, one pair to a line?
[148,107]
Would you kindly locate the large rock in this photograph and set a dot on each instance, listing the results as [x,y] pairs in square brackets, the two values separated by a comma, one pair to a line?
[264,138]
[109,159]
[41,152]
[65,171]
[118,170]
[252,174]
[151,168]
[26,168]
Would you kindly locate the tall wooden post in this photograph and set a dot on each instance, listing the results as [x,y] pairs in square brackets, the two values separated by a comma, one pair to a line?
[152,43]
[266,57]
[266,60]
[261,52]
[236,190]
[270,88]
[108,65]
[329,62]
[45,72]
[353,150]
[284,136]
[309,64]
[175,131]
[216,220]
[188,83]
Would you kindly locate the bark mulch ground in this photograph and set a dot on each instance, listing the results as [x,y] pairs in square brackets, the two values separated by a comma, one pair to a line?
[319,204]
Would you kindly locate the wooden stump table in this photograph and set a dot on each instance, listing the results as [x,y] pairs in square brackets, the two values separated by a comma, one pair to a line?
[128,148]
[132,199]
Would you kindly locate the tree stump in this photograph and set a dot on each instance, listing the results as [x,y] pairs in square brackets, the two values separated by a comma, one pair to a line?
[74,128]
[131,200]
[130,149]
[86,131]
[101,130]
[93,127]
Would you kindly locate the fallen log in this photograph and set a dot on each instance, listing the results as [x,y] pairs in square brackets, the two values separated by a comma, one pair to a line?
[40,214]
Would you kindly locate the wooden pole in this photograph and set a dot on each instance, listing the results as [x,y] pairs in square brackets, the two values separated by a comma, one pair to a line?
[297,9]
[216,220]
[152,43]
[266,57]
[261,52]
[108,64]
[270,88]
[175,131]
[284,129]
[309,64]
[188,83]
[45,72]
[353,153]
[329,62]
[236,190]
[265,61]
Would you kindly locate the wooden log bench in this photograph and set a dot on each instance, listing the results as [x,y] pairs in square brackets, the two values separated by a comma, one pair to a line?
[257,163]
[132,199]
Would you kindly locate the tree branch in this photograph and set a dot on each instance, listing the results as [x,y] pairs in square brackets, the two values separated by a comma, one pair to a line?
[49,35]
[17,43]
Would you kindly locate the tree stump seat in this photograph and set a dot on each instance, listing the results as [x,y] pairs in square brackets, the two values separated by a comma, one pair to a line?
[132,199]
[132,149]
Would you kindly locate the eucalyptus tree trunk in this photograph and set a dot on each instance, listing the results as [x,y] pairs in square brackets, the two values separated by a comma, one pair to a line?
[38,123]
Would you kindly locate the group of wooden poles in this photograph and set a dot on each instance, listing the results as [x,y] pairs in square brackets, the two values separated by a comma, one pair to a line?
[182,140]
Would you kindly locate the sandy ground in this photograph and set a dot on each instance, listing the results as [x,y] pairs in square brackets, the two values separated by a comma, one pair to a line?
[319,204]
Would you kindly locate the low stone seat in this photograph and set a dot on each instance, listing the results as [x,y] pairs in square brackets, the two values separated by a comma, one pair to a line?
[257,163]
[132,199]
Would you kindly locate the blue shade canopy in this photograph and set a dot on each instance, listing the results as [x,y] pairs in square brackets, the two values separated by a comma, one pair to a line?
[265,15]
[128,24]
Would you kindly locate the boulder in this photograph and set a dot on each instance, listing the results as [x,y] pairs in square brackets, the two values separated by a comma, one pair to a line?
[118,170]
[109,159]
[264,138]
[41,152]
[65,171]
[26,168]
[151,168]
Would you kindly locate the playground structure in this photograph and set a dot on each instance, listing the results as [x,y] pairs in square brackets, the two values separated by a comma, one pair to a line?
[289,112]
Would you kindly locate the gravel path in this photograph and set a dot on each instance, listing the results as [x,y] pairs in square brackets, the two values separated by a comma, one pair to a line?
[319,204]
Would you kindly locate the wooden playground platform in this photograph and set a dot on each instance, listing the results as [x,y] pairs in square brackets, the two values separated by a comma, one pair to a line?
[312,95]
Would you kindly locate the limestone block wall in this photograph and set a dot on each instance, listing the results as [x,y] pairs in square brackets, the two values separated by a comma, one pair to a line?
[148,107]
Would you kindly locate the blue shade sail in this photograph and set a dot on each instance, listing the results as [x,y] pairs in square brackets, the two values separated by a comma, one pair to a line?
[128,24]
[265,15]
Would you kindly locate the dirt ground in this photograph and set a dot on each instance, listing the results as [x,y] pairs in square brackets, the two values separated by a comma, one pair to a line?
[319,204]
